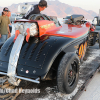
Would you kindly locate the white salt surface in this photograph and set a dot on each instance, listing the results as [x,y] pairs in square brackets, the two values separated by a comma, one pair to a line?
[93,90]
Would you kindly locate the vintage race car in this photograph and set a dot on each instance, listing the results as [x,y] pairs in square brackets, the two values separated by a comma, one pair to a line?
[43,49]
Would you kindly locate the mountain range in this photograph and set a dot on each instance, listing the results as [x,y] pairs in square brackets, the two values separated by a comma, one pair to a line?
[57,8]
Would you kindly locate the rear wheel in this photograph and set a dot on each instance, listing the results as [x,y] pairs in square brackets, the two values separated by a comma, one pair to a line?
[92,41]
[68,73]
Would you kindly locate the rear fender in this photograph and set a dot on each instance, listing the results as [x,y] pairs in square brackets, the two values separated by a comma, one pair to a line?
[71,46]
[38,55]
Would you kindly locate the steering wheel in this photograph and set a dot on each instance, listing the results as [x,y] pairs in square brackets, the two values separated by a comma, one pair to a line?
[38,17]
[43,17]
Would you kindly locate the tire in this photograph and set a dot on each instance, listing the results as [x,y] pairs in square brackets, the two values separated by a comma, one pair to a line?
[38,17]
[68,73]
[31,17]
[92,41]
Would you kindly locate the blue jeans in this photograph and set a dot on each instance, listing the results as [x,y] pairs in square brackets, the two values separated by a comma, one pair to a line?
[3,38]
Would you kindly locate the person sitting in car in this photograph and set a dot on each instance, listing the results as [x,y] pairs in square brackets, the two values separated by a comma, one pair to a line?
[36,9]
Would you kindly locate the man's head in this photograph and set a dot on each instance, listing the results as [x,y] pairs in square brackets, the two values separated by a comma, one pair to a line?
[42,5]
[5,10]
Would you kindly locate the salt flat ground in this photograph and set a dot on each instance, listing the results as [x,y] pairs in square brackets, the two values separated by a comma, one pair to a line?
[92,91]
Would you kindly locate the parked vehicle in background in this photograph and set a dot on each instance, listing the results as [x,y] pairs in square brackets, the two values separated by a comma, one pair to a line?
[96,22]
[14,17]
[95,36]
[23,9]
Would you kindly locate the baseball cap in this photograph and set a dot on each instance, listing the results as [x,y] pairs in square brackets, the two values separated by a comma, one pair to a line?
[5,9]
[43,3]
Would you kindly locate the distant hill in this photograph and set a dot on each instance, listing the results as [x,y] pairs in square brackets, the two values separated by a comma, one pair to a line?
[56,8]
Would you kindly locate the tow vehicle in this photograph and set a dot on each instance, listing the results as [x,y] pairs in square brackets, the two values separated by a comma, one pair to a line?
[43,49]
[95,36]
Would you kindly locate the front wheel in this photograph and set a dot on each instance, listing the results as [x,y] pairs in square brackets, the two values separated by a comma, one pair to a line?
[68,73]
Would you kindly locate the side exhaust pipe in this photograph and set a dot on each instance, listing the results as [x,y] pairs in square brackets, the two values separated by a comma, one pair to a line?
[23,78]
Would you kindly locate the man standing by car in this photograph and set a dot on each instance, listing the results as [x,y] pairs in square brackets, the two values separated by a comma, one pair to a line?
[4,25]
[36,9]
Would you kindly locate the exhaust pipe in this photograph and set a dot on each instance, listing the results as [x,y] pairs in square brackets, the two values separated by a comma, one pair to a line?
[23,78]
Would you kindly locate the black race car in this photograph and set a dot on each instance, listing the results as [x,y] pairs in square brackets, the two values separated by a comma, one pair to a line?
[43,49]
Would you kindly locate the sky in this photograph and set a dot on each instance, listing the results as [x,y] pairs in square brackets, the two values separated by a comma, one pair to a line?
[84,4]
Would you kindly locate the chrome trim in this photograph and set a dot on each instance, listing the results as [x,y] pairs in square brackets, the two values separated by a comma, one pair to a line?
[23,78]
[13,59]
[35,81]
[3,73]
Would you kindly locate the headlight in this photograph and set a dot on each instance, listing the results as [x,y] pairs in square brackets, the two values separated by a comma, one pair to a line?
[19,26]
[16,25]
[33,29]
[22,27]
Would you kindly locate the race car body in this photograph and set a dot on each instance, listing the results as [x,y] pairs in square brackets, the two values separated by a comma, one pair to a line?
[42,49]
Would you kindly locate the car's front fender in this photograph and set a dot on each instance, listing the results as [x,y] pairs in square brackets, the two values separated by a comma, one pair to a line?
[36,56]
